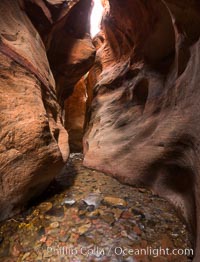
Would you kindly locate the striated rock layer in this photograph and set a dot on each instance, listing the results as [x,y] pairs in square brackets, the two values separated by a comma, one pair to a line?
[144,126]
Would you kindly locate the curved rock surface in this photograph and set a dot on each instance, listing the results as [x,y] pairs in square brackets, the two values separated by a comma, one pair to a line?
[33,141]
[45,48]
[64,27]
[144,124]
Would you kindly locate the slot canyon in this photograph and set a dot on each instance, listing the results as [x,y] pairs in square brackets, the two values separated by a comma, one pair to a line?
[99,134]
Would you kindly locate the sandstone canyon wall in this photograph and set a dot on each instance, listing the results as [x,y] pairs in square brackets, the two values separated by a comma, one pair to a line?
[45,48]
[144,127]
[64,27]
[143,123]
[34,142]
[75,114]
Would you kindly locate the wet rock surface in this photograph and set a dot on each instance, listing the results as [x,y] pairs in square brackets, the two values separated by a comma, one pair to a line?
[88,216]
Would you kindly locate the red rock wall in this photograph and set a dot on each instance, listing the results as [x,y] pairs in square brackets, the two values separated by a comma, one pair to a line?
[75,114]
[33,141]
[144,119]
[144,127]
[64,27]
[45,48]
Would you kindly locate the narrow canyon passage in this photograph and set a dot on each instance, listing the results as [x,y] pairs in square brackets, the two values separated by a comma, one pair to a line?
[91,217]
[99,130]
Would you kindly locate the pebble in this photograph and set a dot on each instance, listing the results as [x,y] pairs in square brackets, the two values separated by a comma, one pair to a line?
[115,201]
[93,199]
[56,212]
[137,230]
[127,215]
[25,256]
[82,213]
[112,215]
[45,206]
[108,217]
[138,212]
[83,229]
[117,213]
[64,238]
[69,202]
[93,214]
[54,225]
[82,205]
[43,239]
[47,254]
[73,238]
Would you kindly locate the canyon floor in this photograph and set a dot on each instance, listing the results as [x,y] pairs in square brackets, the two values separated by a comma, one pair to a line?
[86,215]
